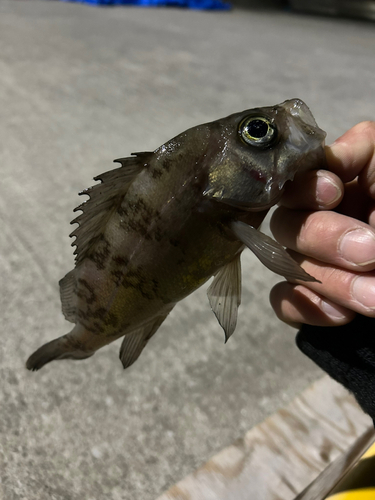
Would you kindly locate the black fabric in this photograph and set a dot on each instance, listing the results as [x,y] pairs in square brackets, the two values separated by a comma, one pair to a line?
[347,354]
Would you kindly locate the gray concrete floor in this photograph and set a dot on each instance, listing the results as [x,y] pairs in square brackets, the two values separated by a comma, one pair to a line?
[80,86]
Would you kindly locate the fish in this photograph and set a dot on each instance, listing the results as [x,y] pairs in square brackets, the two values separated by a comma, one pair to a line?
[163,223]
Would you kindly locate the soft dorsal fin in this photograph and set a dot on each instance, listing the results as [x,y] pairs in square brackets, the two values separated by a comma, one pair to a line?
[68,296]
[104,198]
[224,295]
[269,252]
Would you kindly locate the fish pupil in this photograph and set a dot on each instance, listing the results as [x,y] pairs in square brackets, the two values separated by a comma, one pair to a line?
[257,129]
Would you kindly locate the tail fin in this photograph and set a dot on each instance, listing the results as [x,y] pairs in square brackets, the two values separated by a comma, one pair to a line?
[64,347]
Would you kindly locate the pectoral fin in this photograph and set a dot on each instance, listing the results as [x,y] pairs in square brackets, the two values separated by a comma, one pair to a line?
[270,253]
[224,295]
[135,341]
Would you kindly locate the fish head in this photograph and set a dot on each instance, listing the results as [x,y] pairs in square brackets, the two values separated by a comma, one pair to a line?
[254,153]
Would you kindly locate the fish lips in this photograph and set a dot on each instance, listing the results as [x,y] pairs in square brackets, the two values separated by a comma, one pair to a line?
[298,112]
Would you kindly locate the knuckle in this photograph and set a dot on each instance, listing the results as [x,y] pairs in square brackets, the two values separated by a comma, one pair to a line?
[312,227]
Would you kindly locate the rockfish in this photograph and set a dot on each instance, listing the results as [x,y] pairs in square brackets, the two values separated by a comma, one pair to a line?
[163,223]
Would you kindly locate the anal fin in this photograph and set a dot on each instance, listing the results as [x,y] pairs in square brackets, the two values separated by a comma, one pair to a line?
[135,341]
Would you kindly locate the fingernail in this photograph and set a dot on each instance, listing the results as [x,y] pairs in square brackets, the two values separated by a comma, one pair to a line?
[358,246]
[331,310]
[327,191]
[363,291]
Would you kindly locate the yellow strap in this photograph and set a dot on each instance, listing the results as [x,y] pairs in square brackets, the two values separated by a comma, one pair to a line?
[365,494]
[370,452]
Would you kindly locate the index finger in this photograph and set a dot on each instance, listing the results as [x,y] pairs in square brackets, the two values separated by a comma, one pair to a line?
[353,154]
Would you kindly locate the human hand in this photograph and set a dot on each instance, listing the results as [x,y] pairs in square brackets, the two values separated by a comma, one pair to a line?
[337,246]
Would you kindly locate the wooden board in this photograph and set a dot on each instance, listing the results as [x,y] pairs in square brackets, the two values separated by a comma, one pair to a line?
[279,457]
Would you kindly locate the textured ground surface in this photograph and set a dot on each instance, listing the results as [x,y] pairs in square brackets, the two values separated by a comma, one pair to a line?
[80,86]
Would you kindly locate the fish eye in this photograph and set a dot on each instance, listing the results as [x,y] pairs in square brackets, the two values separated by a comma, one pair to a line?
[257,131]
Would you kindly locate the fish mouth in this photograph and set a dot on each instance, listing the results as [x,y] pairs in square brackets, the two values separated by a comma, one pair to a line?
[255,207]
[304,132]
[304,141]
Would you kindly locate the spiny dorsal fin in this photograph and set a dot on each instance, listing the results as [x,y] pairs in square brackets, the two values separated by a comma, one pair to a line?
[104,198]
[224,295]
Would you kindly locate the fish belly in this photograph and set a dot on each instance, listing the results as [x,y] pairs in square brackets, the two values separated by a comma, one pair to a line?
[142,277]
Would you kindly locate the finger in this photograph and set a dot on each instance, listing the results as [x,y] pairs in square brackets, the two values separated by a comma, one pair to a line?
[371,215]
[296,304]
[355,291]
[313,190]
[353,154]
[355,202]
[326,236]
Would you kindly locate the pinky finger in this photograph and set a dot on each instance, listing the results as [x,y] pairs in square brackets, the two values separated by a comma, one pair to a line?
[296,304]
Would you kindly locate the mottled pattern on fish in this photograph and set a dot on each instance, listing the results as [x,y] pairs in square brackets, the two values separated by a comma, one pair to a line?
[161,225]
